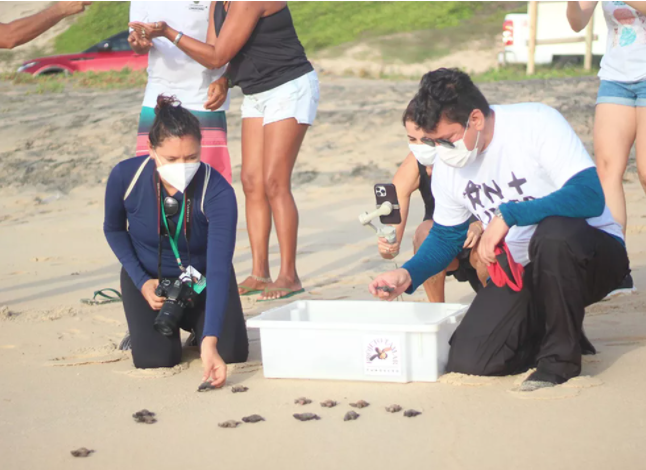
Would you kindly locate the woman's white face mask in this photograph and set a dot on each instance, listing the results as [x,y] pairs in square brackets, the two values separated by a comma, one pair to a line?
[459,156]
[178,175]
[425,154]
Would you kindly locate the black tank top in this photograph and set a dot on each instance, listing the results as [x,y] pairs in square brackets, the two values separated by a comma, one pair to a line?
[272,56]
[425,191]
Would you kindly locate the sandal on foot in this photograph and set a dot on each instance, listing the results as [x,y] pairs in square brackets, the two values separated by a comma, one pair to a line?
[107,299]
[249,290]
[290,293]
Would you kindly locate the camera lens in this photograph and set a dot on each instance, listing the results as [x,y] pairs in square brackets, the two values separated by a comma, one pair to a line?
[168,319]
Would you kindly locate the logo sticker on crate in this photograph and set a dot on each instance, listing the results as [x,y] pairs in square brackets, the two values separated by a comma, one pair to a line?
[382,356]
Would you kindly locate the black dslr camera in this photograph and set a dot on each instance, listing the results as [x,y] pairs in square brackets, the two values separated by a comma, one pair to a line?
[179,295]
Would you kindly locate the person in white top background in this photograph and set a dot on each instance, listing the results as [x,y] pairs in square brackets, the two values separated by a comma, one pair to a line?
[173,73]
[620,116]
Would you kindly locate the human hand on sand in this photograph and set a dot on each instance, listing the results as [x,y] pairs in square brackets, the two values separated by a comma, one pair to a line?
[390,285]
[496,232]
[148,291]
[387,250]
[215,369]
[149,30]
[218,91]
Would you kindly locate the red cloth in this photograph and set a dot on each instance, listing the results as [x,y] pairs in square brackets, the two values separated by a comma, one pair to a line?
[506,271]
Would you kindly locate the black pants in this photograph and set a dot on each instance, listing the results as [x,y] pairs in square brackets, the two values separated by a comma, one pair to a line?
[572,265]
[151,349]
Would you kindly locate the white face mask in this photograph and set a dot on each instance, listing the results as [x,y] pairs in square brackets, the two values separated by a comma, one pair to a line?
[178,175]
[459,156]
[425,154]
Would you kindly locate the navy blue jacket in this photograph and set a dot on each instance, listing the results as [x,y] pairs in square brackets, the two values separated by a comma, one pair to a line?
[131,228]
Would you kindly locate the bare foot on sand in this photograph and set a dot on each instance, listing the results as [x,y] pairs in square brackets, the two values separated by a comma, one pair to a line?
[282,288]
[253,285]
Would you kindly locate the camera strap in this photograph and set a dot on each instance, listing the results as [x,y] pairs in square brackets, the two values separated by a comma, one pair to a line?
[184,219]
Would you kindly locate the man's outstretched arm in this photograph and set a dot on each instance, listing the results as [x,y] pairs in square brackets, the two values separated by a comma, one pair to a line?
[24,30]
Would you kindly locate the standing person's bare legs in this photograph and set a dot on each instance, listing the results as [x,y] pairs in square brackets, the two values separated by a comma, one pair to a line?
[257,209]
[614,134]
[640,145]
[282,141]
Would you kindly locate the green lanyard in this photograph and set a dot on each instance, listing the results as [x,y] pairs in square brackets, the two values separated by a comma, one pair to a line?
[174,240]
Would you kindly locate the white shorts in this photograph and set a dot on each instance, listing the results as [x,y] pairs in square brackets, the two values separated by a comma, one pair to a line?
[296,99]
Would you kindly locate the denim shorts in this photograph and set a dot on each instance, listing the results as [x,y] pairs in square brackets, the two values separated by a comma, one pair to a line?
[625,93]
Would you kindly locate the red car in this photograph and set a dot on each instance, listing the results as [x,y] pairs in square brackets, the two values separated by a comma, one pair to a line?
[112,54]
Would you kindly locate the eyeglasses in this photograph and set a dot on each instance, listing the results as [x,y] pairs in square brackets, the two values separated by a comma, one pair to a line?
[438,142]
[443,142]
[171,208]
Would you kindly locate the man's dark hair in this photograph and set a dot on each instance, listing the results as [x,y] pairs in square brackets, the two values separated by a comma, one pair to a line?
[448,93]
[172,120]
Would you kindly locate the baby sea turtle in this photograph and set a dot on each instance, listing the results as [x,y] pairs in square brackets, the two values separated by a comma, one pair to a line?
[351,416]
[144,416]
[232,423]
[386,289]
[393,409]
[302,401]
[239,389]
[328,404]
[253,419]
[205,387]
[412,413]
[360,404]
[82,452]
[306,416]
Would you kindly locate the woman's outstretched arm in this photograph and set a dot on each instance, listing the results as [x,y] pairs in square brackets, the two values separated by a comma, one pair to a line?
[218,50]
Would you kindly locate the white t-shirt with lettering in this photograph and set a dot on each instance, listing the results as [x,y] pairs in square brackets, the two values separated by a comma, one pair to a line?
[533,153]
[170,70]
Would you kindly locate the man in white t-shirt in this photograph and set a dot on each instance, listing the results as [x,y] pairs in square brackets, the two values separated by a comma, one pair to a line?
[525,174]
[173,73]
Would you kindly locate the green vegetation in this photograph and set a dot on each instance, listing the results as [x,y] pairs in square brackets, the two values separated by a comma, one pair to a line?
[99,22]
[324,24]
[57,83]
[543,72]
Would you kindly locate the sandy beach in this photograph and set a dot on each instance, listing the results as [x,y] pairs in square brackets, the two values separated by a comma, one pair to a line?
[65,386]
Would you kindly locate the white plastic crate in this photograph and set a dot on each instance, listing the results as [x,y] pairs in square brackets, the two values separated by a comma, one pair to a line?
[357,340]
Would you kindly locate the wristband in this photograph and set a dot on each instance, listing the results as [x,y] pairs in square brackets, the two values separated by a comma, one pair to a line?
[178,37]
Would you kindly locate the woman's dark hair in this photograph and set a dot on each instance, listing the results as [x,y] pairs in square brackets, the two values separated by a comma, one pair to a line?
[448,93]
[171,120]
[409,113]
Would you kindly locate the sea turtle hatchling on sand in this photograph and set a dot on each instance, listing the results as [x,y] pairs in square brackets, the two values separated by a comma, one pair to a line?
[351,416]
[82,452]
[306,416]
[328,404]
[360,404]
[302,401]
[393,409]
[412,413]
[253,419]
[239,389]
[205,387]
[232,423]
[144,416]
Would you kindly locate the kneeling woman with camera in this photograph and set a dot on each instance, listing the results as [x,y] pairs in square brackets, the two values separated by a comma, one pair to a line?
[171,221]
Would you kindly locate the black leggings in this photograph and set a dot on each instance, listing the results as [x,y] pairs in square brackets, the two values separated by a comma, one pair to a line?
[151,349]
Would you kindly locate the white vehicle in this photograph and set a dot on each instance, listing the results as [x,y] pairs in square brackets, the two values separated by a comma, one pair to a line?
[552,35]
